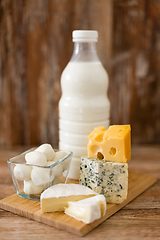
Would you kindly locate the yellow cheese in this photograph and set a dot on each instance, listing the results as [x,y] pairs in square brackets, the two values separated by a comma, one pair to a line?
[113,144]
[56,197]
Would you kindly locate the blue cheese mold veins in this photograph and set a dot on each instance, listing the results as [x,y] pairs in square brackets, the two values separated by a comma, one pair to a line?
[107,178]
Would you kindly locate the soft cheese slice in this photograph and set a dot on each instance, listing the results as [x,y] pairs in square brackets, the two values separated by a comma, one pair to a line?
[87,210]
[112,144]
[56,197]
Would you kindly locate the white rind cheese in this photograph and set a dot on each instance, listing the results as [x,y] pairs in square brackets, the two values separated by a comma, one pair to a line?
[107,178]
[56,197]
[64,190]
[87,210]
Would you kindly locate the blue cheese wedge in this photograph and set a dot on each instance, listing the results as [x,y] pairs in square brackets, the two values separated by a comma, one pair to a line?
[107,178]
[87,210]
[56,197]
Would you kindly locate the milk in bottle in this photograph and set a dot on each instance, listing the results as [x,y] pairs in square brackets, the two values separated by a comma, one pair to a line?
[84,104]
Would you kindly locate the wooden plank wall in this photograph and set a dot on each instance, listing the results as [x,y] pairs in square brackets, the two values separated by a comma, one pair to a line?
[136,68]
[36,44]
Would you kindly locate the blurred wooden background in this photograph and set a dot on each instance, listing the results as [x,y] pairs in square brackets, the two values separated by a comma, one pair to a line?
[36,45]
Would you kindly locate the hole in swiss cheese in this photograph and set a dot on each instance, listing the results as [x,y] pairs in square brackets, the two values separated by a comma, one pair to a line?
[100,156]
[112,151]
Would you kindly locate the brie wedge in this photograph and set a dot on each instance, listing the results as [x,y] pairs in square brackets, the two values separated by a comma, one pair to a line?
[56,197]
[87,210]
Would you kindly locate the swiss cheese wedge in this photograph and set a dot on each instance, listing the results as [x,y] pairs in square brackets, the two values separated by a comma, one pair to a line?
[112,144]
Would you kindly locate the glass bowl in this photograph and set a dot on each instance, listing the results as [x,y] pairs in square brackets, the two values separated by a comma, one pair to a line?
[31,180]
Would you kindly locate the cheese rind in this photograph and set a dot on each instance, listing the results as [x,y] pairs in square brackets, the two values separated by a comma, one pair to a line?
[112,144]
[87,210]
[107,178]
[56,197]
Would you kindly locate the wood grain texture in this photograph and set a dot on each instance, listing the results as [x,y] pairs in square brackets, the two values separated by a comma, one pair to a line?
[35,46]
[136,72]
[137,220]
[138,183]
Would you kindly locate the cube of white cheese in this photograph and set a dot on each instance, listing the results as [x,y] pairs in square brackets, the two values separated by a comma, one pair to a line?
[41,176]
[31,188]
[22,172]
[47,150]
[36,158]
[107,178]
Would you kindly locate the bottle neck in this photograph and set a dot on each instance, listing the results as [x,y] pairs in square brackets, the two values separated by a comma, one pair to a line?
[84,51]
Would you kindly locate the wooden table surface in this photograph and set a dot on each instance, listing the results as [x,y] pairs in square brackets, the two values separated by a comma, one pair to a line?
[140,219]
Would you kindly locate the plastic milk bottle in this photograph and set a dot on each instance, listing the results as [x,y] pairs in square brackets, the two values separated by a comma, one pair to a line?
[84,104]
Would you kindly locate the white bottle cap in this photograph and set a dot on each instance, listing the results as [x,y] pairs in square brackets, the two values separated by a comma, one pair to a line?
[84,36]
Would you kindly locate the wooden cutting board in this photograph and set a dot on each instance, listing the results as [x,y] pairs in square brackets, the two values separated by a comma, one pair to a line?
[138,183]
